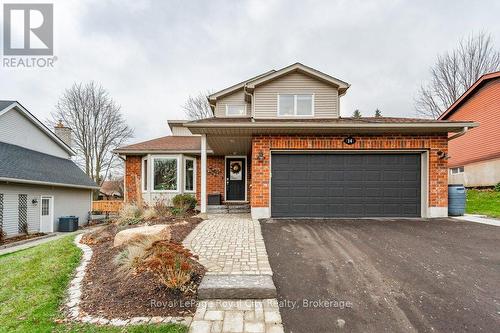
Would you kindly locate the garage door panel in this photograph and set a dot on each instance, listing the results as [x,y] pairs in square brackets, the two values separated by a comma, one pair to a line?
[337,185]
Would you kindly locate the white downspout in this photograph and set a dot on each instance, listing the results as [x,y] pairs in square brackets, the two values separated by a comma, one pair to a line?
[203,187]
[459,134]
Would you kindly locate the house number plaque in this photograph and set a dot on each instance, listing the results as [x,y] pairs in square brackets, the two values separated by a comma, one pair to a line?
[349,140]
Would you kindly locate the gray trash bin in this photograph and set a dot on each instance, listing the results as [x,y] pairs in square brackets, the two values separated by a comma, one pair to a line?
[68,223]
[456,200]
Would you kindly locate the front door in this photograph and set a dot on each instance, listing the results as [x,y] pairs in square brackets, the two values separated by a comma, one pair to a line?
[235,179]
[47,214]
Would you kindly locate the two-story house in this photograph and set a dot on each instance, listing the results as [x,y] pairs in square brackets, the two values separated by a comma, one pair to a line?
[278,143]
[38,180]
[475,156]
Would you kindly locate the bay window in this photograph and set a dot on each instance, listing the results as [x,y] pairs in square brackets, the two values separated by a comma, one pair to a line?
[295,105]
[165,174]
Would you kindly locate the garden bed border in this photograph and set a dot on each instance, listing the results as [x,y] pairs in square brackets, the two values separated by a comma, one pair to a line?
[75,313]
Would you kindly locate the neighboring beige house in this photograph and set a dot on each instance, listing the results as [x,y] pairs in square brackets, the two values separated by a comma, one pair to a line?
[38,181]
[475,156]
[278,144]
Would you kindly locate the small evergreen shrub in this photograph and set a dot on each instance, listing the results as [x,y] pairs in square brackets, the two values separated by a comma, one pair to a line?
[497,187]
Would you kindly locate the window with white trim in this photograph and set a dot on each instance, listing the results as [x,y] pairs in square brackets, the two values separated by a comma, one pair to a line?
[235,109]
[295,105]
[145,174]
[457,170]
[165,174]
[189,174]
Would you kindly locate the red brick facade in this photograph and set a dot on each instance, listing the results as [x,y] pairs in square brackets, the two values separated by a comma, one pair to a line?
[132,177]
[438,174]
[215,176]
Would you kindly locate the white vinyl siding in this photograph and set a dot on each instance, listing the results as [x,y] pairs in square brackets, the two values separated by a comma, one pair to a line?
[18,130]
[236,98]
[181,131]
[67,201]
[325,95]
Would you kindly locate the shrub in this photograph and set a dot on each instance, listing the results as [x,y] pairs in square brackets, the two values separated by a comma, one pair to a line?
[130,214]
[171,263]
[497,187]
[149,213]
[132,257]
[2,235]
[161,208]
[182,203]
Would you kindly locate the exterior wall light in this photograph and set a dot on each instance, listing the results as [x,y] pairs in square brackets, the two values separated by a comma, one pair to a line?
[260,156]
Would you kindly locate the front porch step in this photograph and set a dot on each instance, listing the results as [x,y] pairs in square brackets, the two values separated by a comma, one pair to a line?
[228,209]
[236,287]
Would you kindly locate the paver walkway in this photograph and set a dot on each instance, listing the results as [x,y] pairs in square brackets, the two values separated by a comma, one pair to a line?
[219,316]
[233,244]
[230,244]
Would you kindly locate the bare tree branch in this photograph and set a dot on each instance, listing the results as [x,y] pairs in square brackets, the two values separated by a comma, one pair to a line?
[97,124]
[454,72]
[197,107]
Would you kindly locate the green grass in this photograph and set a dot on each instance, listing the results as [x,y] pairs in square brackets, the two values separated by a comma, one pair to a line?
[483,202]
[32,287]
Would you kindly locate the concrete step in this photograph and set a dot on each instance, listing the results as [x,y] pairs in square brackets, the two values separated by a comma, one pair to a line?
[228,208]
[236,287]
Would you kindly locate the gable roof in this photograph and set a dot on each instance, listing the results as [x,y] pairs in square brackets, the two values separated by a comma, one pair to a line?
[469,93]
[251,83]
[6,106]
[24,165]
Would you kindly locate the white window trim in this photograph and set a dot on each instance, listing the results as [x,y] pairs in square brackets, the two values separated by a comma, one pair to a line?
[145,171]
[294,115]
[194,174]
[458,170]
[236,115]
[152,172]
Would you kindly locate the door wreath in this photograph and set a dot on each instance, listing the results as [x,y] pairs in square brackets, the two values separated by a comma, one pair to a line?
[235,167]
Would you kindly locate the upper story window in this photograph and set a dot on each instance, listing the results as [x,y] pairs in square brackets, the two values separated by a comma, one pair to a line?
[296,105]
[165,173]
[235,109]
[455,171]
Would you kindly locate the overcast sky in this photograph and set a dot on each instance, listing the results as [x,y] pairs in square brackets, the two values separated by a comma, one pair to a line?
[151,55]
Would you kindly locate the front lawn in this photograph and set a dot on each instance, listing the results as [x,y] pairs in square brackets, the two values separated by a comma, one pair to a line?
[33,284]
[483,202]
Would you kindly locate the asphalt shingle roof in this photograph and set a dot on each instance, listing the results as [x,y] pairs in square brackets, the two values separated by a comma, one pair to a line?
[24,164]
[4,104]
[166,143]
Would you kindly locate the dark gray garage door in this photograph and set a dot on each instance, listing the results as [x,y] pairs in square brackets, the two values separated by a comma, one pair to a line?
[345,185]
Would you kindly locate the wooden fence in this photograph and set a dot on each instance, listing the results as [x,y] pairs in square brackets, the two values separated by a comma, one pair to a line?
[107,206]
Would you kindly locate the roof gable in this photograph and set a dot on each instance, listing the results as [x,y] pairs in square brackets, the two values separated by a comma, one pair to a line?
[251,83]
[469,93]
[10,106]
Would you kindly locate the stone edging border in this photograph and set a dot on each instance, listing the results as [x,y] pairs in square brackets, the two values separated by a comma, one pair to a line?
[73,300]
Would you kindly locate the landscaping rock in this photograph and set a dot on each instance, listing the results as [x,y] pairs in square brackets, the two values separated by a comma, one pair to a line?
[128,235]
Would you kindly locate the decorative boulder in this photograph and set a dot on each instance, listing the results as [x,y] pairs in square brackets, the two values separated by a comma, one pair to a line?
[161,231]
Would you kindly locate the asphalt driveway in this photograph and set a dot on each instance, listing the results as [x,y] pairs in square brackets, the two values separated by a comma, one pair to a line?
[394,275]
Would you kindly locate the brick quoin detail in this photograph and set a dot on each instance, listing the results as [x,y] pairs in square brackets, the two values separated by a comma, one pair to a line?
[132,176]
[438,168]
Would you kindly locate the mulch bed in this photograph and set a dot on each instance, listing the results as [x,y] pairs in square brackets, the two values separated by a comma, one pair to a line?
[108,294]
[21,238]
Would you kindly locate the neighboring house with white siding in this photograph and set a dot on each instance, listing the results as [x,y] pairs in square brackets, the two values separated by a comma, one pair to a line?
[38,180]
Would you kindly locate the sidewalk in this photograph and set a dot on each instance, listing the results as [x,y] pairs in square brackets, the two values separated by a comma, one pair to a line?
[36,242]
[479,219]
